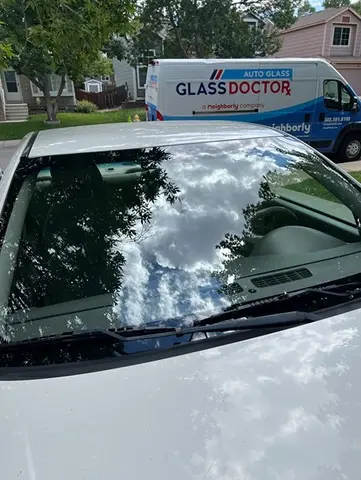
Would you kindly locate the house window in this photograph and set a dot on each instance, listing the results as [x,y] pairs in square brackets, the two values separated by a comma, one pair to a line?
[141,75]
[55,84]
[142,66]
[341,36]
[10,80]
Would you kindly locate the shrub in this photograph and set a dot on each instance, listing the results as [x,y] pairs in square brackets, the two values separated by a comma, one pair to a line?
[84,106]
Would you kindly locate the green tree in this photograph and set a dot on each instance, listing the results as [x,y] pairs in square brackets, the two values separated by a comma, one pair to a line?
[201,29]
[60,37]
[100,66]
[357,6]
[336,3]
[242,41]
[283,13]
[305,8]
[5,52]
[116,47]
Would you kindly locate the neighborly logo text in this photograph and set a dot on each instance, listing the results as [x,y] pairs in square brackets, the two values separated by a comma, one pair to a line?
[286,127]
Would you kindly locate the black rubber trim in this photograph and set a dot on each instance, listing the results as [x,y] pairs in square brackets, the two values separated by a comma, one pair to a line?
[350,128]
[29,145]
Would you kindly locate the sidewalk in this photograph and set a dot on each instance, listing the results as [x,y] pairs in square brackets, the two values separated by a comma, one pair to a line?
[351,166]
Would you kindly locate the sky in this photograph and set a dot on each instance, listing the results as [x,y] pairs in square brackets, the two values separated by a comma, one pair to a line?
[318,4]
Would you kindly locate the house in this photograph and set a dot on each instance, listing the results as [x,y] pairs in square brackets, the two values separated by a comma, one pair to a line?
[334,34]
[18,95]
[134,77]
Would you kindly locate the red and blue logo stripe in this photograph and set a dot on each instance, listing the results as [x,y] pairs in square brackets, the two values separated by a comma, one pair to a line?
[217,74]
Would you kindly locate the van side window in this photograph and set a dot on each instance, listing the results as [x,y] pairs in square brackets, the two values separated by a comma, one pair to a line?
[336,96]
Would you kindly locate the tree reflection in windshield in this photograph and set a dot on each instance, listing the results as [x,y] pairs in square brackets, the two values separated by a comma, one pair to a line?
[69,250]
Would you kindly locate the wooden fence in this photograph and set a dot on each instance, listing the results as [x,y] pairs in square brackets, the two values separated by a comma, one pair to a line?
[104,100]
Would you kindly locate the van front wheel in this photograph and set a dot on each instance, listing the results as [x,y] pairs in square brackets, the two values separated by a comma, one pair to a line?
[350,149]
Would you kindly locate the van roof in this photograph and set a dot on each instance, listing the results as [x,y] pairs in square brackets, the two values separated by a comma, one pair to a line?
[212,61]
[122,136]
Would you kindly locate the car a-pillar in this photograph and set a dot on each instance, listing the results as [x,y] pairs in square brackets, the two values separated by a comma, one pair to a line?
[348,143]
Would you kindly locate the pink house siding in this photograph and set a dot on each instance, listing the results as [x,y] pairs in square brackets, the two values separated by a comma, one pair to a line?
[302,43]
[312,36]
[357,47]
[355,36]
[355,25]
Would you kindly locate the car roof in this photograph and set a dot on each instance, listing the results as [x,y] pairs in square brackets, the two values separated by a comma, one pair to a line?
[122,136]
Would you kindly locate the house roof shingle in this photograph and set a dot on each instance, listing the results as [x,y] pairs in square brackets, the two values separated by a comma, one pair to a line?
[318,17]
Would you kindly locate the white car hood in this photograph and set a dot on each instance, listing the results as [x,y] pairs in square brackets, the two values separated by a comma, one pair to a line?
[285,406]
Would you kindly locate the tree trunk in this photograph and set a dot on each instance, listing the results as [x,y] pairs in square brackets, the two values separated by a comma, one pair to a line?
[51,110]
[52,103]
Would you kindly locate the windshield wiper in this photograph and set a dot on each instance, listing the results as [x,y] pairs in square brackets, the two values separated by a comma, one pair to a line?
[347,289]
[322,296]
[80,346]
[271,313]
[104,335]
[133,334]
[97,334]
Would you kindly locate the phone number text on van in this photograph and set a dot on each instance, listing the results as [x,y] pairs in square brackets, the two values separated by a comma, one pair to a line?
[275,87]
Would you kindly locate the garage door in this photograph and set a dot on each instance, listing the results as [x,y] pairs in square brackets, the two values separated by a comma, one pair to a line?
[353,77]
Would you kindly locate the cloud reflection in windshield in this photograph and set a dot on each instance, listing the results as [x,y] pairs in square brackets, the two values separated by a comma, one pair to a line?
[170,274]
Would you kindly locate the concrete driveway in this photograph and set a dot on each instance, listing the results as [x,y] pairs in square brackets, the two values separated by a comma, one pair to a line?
[352,166]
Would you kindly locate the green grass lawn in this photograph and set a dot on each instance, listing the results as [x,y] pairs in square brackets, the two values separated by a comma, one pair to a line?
[14,131]
[356,176]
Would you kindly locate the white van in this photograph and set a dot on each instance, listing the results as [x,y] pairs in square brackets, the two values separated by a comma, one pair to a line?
[305,97]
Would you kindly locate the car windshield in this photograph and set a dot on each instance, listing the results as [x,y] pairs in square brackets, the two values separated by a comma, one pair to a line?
[170,234]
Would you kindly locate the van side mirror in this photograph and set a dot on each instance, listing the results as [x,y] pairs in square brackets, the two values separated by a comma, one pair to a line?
[355,107]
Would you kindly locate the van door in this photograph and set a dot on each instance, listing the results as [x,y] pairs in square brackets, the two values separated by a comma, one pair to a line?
[288,99]
[333,112]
